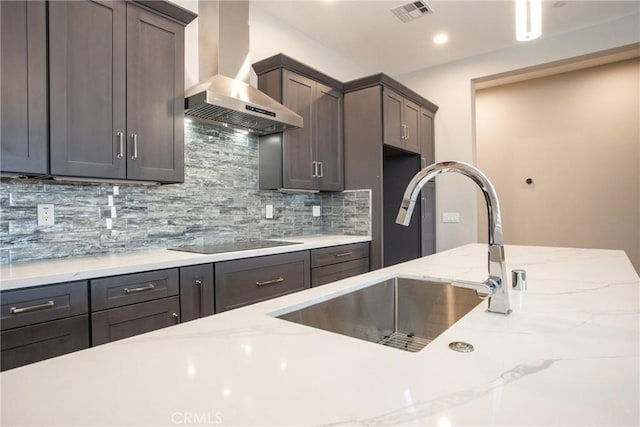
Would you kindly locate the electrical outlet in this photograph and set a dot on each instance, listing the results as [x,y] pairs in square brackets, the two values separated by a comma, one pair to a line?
[451,217]
[268,212]
[45,215]
[316,211]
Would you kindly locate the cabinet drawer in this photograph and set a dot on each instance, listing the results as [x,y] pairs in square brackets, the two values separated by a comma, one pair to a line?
[117,291]
[34,305]
[123,322]
[30,344]
[334,272]
[247,281]
[335,254]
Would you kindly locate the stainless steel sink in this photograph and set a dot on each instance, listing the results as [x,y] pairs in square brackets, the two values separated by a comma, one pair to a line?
[402,313]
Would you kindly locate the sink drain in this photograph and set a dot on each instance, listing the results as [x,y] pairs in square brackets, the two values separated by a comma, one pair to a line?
[462,347]
[407,342]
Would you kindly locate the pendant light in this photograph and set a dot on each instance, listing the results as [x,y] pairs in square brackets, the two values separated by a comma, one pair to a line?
[528,19]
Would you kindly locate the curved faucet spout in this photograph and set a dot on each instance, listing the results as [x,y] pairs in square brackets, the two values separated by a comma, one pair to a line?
[499,300]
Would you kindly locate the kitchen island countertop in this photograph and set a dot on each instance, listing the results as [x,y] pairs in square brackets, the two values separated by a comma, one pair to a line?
[568,354]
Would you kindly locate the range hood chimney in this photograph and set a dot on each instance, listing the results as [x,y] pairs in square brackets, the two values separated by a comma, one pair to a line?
[227,97]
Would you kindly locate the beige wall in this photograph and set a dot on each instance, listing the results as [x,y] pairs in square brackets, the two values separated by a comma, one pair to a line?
[577,135]
[451,86]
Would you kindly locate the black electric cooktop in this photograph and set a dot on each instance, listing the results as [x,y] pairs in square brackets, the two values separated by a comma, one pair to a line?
[217,248]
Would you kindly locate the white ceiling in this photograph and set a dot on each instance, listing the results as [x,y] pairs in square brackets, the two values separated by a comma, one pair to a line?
[369,34]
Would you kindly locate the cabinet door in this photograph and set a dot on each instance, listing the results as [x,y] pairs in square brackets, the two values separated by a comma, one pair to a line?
[42,341]
[427,142]
[23,93]
[298,95]
[87,88]
[411,121]
[392,118]
[327,137]
[196,291]
[123,322]
[155,97]
[247,281]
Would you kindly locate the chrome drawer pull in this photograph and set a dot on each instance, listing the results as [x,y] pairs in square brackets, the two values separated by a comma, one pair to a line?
[201,293]
[149,287]
[16,310]
[270,282]
[343,254]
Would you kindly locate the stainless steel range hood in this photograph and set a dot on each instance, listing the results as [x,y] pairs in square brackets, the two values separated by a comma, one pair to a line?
[227,97]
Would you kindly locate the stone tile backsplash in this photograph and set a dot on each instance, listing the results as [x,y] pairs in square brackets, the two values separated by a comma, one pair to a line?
[218,202]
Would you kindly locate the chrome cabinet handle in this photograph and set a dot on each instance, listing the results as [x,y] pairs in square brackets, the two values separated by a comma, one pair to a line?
[270,282]
[135,146]
[176,317]
[340,255]
[404,132]
[120,136]
[201,292]
[16,310]
[149,287]
[321,169]
[314,174]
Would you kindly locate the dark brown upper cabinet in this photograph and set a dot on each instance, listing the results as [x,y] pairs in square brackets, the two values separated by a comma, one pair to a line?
[309,158]
[116,90]
[23,97]
[401,121]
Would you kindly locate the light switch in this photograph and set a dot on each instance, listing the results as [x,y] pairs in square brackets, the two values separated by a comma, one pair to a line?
[269,212]
[316,211]
[451,217]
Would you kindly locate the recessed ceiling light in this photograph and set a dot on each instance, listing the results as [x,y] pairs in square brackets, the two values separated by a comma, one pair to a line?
[441,38]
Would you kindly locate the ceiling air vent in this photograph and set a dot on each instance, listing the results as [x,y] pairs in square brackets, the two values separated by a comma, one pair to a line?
[410,11]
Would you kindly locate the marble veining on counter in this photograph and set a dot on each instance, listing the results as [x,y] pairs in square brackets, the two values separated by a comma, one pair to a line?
[35,273]
[568,354]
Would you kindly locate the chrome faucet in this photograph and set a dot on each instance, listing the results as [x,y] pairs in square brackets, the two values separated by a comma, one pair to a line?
[495,287]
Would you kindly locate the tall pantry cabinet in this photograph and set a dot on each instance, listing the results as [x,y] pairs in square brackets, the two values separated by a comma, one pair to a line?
[388,138]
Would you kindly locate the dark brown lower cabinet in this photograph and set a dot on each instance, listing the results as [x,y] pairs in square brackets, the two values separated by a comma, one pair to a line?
[335,272]
[339,262]
[29,344]
[246,281]
[123,322]
[196,292]
[42,322]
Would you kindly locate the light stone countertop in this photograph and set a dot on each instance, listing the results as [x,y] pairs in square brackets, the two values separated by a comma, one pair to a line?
[25,274]
[568,354]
